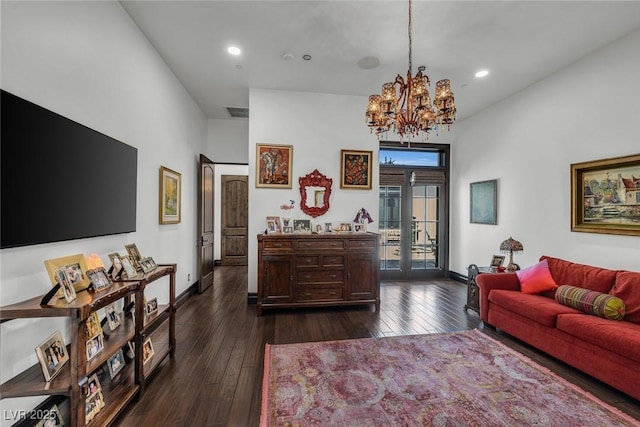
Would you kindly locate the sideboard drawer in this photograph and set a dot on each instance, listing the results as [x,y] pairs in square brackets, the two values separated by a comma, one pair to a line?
[308,261]
[368,244]
[319,294]
[336,244]
[320,276]
[278,244]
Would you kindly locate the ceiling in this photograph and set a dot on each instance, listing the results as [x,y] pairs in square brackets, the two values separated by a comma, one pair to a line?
[519,42]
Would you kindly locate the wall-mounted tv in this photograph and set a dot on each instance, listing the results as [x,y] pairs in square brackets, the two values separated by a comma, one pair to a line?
[61,180]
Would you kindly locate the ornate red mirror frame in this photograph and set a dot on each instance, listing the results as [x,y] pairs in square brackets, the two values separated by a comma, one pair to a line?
[315,179]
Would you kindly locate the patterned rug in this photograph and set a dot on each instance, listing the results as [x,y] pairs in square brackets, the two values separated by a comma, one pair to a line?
[458,379]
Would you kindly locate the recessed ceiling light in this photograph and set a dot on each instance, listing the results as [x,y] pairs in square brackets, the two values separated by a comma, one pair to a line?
[234,50]
[482,73]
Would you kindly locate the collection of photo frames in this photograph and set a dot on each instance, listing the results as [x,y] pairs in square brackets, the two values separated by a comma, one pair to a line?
[279,225]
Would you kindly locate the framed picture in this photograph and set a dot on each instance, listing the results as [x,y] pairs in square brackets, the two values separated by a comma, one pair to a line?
[302,226]
[356,169]
[51,418]
[93,326]
[113,317]
[116,265]
[75,268]
[148,264]
[68,291]
[273,224]
[116,363]
[170,196]
[134,255]
[99,278]
[94,346]
[93,385]
[273,165]
[52,355]
[127,266]
[93,404]
[483,202]
[605,196]
[147,351]
[344,227]
[328,227]
[318,228]
[287,229]
[359,227]
[151,306]
[497,261]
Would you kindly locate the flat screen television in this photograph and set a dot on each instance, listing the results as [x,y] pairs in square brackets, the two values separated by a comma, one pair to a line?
[61,180]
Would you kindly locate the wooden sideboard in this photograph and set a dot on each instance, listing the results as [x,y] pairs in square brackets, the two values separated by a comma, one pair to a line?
[305,270]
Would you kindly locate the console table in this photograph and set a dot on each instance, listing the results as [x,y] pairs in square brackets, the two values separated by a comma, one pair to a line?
[307,270]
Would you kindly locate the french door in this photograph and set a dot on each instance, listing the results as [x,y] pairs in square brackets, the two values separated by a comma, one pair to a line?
[413,224]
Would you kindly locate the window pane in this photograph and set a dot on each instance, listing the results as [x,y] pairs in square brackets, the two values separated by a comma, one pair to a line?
[409,157]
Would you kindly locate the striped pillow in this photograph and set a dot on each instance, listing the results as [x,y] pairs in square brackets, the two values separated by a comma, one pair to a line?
[591,302]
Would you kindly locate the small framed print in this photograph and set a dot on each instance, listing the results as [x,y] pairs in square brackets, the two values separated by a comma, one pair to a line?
[287,229]
[148,265]
[318,228]
[93,404]
[51,418]
[328,227]
[302,226]
[134,255]
[356,169]
[116,265]
[92,325]
[113,317]
[94,346]
[151,306]
[497,261]
[76,268]
[99,278]
[345,227]
[52,355]
[170,196]
[116,363]
[129,270]
[147,351]
[93,385]
[68,291]
[273,224]
[359,227]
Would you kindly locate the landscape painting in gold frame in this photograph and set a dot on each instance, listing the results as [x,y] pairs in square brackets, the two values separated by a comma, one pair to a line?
[605,196]
[170,196]
[273,165]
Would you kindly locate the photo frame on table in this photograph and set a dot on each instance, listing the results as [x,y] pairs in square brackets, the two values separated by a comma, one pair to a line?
[68,291]
[170,196]
[483,202]
[93,404]
[94,346]
[99,278]
[356,169]
[496,261]
[273,225]
[52,355]
[93,325]
[328,227]
[605,196]
[151,306]
[134,255]
[302,226]
[93,385]
[148,264]
[359,227]
[51,418]
[75,267]
[147,351]
[113,317]
[116,363]
[127,266]
[273,165]
[116,265]
[287,229]
[345,227]
[318,228]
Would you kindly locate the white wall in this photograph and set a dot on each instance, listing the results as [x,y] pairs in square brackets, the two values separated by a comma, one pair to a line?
[227,140]
[87,61]
[587,111]
[318,126]
[217,202]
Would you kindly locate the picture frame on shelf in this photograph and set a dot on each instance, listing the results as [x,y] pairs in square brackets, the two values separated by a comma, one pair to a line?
[68,292]
[605,196]
[99,278]
[148,265]
[287,229]
[170,196]
[113,317]
[345,227]
[93,326]
[359,227]
[93,404]
[93,385]
[116,265]
[328,227]
[147,351]
[134,255]
[94,346]
[273,165]
[116,363]
[356,169]
[483,202]
[128,267]
[496,261]
[302,226]
[318,228]
[273,225]
[75,268]
[52,355]
[51,418]
[151,306]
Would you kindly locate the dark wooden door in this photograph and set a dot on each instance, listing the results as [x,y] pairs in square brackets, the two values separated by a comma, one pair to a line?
[362,279]
[234,219]
[205,224]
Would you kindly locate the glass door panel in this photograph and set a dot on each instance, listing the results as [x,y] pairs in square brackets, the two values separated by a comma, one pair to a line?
[424,226]
[390,227]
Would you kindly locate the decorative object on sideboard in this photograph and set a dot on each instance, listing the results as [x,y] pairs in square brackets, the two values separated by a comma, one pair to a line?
[356,169]
[170,196]
[315,191]
[404,107]
[273,165]
[605,196]
[363,217]
[510,246]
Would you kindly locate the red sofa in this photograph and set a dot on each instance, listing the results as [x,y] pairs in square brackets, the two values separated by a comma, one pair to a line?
[608,350]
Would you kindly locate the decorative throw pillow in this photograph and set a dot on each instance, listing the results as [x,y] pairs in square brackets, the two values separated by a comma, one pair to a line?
[536,279]
[591,302]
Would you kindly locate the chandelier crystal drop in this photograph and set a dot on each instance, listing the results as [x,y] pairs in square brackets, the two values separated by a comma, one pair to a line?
[405,107]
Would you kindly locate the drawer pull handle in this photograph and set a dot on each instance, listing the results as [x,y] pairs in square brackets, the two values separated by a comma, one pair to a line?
[333,276]
[308,261]
[306,244]
[362,243]
[307,294]
[332,293]
[277,245]
[307,276]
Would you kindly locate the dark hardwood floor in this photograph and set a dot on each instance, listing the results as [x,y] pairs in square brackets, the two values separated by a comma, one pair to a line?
[215,378]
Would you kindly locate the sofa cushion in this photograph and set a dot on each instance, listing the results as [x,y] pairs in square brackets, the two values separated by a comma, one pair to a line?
[581,275]
[591,302]
[627,288]
[622,338]
[536,279]
[538,308]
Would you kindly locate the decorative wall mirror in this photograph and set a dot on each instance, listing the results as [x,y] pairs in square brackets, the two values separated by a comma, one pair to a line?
[315,190]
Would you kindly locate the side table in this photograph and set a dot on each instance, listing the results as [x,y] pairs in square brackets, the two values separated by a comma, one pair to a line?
[473,294]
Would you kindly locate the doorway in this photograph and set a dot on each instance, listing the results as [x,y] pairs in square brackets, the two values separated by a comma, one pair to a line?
[234,219]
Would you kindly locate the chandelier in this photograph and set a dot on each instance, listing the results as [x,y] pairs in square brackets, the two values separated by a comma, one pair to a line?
[405,106]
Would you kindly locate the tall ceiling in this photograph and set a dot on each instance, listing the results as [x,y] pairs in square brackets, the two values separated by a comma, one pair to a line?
[518,42]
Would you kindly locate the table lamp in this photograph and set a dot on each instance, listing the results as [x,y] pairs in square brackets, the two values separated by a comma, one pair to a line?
[510,245]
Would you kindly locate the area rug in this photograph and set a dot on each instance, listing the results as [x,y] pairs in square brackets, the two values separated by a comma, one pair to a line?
[457,379]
